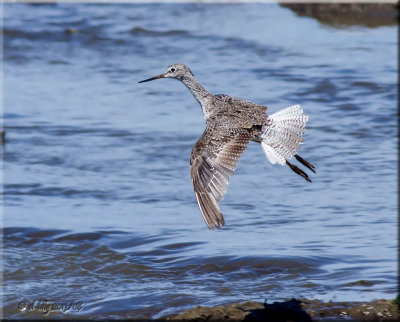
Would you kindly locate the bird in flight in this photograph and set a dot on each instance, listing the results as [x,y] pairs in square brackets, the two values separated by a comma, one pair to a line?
[231,124]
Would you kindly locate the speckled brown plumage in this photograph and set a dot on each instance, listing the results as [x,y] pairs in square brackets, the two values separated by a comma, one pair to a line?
[231,124]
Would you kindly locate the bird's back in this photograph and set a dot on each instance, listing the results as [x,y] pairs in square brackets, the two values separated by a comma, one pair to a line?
[228,111]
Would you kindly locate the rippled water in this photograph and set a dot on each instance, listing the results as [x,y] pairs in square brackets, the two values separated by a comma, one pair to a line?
[98,202]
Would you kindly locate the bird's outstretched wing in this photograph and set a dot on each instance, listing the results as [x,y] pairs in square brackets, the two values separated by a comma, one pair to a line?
[213,160]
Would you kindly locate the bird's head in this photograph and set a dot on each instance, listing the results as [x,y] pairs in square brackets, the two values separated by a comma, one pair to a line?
[177,71]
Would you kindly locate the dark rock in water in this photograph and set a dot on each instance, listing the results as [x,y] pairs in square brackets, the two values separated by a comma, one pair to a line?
[294,310]
[367,14]
[71,31]
[280,311]
[2,137]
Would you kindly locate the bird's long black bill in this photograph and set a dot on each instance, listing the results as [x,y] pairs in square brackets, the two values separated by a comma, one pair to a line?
[152,78]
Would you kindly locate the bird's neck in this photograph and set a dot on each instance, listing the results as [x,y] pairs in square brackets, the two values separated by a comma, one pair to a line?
[198,91]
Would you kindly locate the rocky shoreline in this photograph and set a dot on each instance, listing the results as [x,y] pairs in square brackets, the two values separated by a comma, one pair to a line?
[348,14]
[295,310]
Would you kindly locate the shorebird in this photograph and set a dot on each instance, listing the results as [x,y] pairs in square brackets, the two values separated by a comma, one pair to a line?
[231,124]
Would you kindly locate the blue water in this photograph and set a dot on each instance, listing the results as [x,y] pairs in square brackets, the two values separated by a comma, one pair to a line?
[98,201]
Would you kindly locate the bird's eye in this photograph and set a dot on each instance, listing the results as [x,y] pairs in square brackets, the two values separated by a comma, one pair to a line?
[172,70]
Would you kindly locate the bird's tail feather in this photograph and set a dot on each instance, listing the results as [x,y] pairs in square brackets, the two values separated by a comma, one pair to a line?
[281,137]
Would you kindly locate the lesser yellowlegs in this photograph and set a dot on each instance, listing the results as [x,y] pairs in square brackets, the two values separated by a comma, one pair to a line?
[231,124]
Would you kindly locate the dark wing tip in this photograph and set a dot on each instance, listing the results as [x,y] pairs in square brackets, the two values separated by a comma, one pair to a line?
[210,210]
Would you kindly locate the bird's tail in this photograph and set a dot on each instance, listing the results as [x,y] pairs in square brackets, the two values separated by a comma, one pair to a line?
[282,135]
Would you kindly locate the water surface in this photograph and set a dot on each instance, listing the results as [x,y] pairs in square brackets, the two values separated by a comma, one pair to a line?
[98,201]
